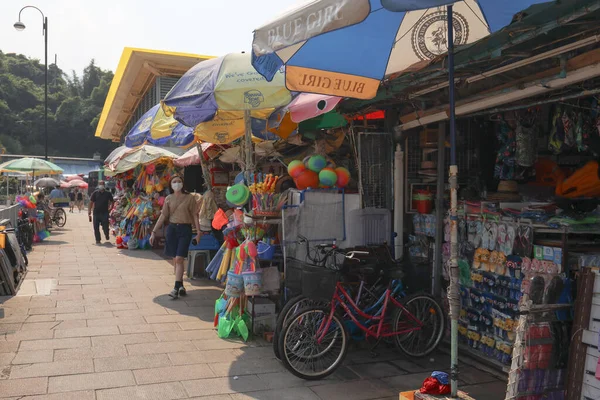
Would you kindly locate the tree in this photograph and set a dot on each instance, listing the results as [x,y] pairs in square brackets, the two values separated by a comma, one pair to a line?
[74,107]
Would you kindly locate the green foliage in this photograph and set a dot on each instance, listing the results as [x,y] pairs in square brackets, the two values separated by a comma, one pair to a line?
[74,107]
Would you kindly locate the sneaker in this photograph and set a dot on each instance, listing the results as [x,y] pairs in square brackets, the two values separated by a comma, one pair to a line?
[98,242]
[182,291]
[174,293]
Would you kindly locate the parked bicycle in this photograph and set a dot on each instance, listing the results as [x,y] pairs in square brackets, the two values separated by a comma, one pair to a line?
[313,341]
[58,216]
[25,230]
[366,286]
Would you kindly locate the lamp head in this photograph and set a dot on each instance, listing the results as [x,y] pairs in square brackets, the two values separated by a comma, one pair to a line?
[19,26]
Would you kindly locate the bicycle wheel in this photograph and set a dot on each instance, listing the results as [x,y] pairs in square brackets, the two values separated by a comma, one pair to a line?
[425,340]
[24,253]
[290,308]
[60,217]
[29,236]
[302,354]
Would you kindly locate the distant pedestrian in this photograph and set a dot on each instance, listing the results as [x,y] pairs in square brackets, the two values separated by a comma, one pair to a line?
[71,201]
[100,204]
[79,200]
[56,193]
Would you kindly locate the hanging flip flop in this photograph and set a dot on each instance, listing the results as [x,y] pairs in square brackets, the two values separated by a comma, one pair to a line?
[478,234]
[493,236]
[485,235]
[502,236]
[472,232]
[510,239]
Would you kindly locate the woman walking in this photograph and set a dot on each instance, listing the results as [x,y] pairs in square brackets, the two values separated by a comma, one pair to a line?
[180,212]
[79,200]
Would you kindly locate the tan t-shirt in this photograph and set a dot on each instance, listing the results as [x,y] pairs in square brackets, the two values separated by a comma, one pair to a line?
[181,209]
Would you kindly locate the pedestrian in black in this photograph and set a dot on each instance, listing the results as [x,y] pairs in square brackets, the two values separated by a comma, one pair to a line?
[100,204]
[71,201]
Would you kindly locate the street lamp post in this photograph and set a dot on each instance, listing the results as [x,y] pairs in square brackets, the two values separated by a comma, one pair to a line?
[21,26]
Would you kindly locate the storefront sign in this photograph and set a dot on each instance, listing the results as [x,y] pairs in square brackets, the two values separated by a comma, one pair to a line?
[332,83]
[314,19]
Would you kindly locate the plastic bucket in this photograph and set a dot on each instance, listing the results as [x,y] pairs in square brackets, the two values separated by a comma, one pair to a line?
[423,201]
[252,282]
[235,285]
[265,251]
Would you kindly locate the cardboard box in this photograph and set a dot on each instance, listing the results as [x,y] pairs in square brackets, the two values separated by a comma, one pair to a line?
[410,395]
[548,253]
[261,306]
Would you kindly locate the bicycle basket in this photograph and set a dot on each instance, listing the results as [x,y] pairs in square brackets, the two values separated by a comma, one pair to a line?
[319,283]
[293,276]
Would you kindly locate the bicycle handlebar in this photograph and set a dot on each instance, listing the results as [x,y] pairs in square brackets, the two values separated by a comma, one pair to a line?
[351,254]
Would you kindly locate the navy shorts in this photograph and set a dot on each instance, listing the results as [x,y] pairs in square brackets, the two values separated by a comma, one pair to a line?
[178,240]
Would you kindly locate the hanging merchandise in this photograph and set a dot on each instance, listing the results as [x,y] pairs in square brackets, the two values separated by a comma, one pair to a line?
[585,182]
[137,208]
[317,171]
[265,202]
[505,159]
[525,145]
[237,195]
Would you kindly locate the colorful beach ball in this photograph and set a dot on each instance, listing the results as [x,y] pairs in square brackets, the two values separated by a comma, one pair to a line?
[316,163]
[295,168]
[343,177]
[327,177]
[307,179]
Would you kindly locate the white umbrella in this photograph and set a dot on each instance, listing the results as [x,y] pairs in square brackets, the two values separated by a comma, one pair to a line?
[46,182]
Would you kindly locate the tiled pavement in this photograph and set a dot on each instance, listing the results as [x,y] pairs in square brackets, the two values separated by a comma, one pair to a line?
[93,322]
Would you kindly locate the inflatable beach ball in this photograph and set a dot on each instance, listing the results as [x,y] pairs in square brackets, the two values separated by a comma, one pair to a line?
[295,168]
[316,163]
[343,177]
[328,177]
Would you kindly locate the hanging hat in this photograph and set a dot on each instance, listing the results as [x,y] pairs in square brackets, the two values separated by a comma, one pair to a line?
[428,168]
[508,187]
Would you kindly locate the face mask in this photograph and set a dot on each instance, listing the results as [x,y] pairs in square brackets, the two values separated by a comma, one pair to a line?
[177,186]
[101,188]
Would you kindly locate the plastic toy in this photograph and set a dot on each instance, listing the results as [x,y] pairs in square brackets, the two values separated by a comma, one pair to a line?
[316,163]
[307,179]
[295,168]
[327,177]
[343,177]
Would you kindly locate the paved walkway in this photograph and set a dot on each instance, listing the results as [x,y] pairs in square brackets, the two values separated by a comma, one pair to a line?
[92,322]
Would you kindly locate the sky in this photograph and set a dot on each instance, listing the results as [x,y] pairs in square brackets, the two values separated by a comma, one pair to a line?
[79,30]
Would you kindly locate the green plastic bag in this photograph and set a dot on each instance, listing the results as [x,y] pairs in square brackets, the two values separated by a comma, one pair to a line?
[225,326]
[241,326]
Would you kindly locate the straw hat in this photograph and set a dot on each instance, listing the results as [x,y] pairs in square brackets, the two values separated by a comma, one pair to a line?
[508,187]
[428,168]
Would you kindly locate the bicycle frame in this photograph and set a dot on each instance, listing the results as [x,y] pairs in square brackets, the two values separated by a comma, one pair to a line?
[340,297]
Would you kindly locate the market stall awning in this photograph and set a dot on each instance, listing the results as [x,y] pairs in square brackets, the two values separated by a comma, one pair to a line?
[142,155]
[135,73]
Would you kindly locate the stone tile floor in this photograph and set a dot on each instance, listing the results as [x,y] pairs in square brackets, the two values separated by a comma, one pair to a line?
[94,322]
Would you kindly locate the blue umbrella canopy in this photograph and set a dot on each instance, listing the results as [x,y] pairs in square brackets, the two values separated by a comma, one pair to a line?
[159,130]
[324,43]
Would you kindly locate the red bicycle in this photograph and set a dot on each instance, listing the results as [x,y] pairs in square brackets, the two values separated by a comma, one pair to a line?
[314,341]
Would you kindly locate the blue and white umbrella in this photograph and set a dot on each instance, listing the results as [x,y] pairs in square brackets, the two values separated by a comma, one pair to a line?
[157,129]
[346,47]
